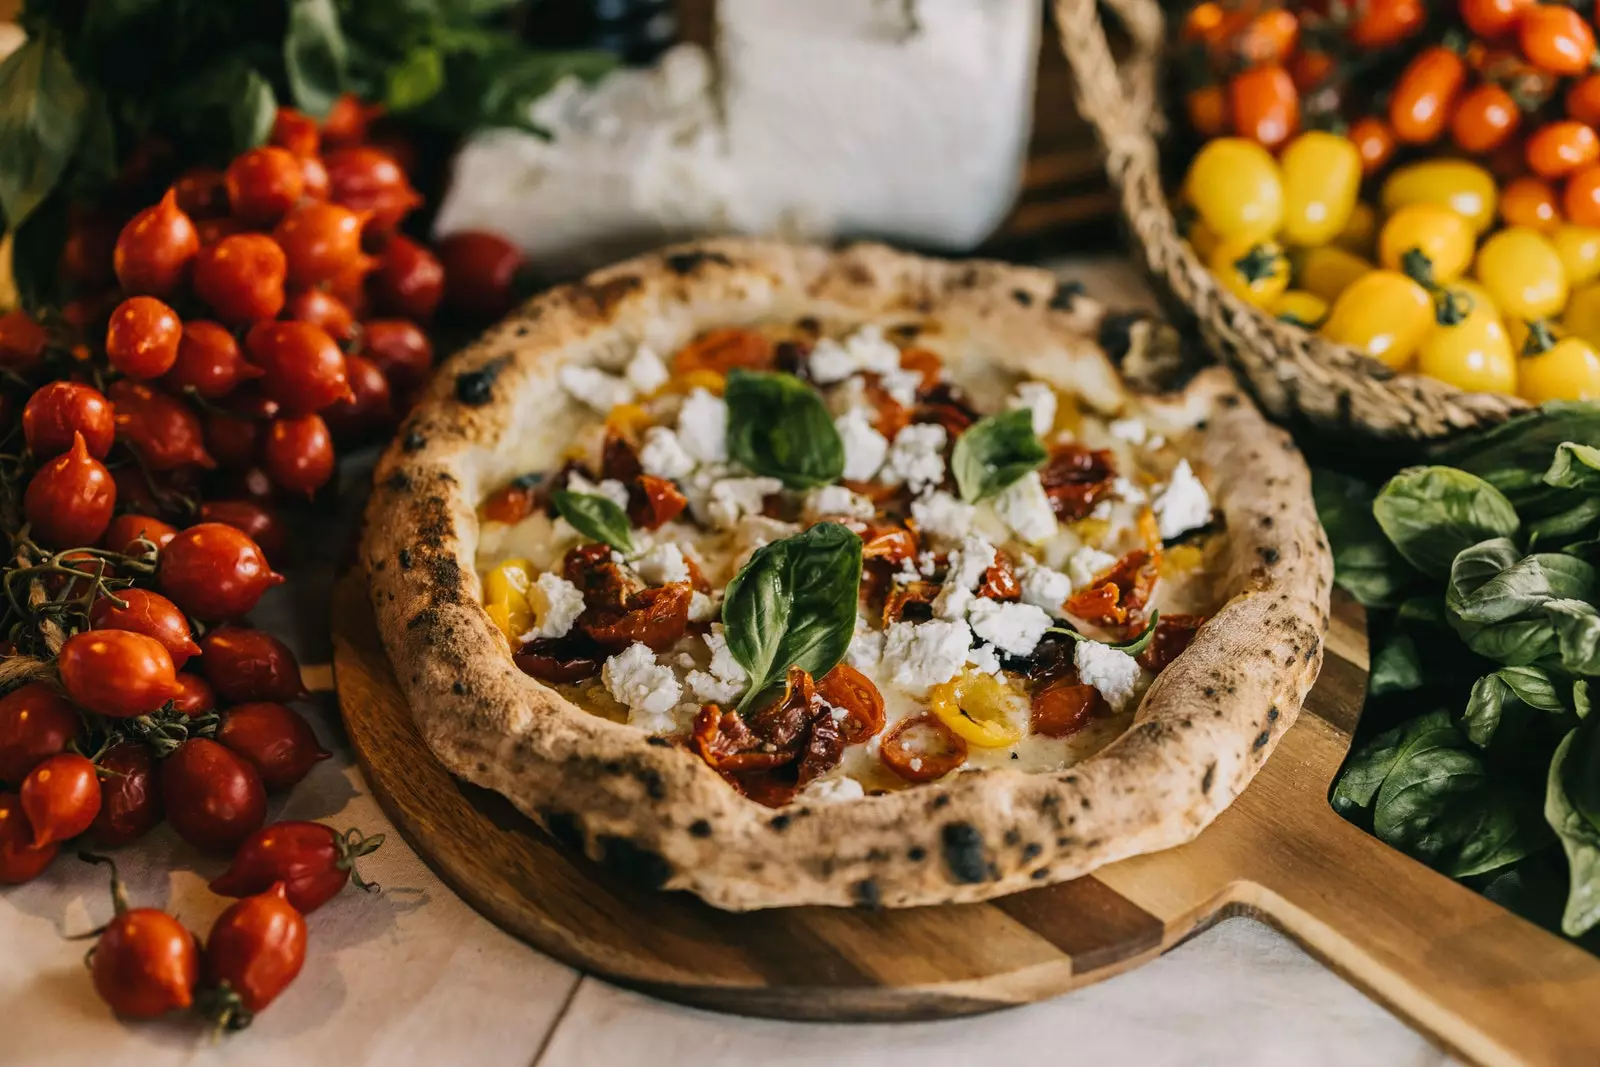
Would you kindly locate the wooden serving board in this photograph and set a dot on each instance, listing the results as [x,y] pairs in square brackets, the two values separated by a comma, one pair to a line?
[1476,979]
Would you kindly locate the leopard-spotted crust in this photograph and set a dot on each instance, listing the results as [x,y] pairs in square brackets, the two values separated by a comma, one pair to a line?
[656,813]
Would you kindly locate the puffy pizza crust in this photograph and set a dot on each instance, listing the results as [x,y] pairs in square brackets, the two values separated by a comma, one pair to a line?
[652,810]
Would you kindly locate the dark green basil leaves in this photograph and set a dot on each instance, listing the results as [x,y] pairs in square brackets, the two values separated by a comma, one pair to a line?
[1432,513]
[1572,807]
[595,517]
[778,426]
[994,452]
[42,107]
[794,605]
[315,55]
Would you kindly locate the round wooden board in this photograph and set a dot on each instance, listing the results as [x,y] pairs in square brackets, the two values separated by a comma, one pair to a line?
[1477,979]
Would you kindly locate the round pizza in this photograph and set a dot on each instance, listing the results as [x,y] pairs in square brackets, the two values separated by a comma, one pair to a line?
[788,575]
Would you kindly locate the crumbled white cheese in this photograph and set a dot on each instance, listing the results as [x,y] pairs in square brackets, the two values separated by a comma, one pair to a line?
[927,564]
[645,371]
[609,488]
[1112,671]
[864,447]
[850,395]
[1124,489]
[649,690]
[662,565]
[984,659]
[1024,507]
[967,566]
[731,499]
[1087,562]
[917,457]
[725,680]
[901,385]
[920,655]
[703,426]
[703,608]
[829,362]
[872,351]
[1013,628]
[595,388]
[1039,399]
[1182,504]
[556,605]
[836,501]
[662,455]
[941,515]
[1044,587]
[833,789]
[1131,430]
[757,530]
[866,649]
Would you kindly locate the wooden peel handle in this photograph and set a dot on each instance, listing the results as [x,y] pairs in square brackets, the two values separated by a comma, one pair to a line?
[1489,986]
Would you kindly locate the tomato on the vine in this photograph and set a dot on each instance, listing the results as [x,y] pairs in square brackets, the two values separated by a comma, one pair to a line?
[1490,19]
[405,354]
[1472,350]
[298,453]
[322,308]
[255,950]
[365,179]
[247,666]
[371,406]
[57,410]
[1581,199]
[303,368]
[320,240]
[130,801]
[60,797]
[233,437]
[241,277]
[1384,23]
[117,673]
[1383,314]
[1583,100]
[22,341]
[214,797]
[263,183]
[480,268]
[209,361]
[69,499]
[348,119]
[163,430]
[155,249]
[195,695]
[295,132]
[1256,272]
[20,861]
[314,862]
[1484,119]
[261,524]
[277,741]
[142,337]
[202,193]
[1264,104]
[150,614]
[129,527]
[1559,148]
[1443,237]
[36,722]
[214,572]
[145,963]
[409,280]
[1530,201]
[1425,95]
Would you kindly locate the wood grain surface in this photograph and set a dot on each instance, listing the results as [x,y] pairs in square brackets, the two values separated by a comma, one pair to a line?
[1482,983]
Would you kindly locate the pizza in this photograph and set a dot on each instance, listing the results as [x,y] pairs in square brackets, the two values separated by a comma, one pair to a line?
[788,575]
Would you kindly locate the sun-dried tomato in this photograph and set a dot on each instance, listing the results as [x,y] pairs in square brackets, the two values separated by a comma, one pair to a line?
[824,749]
[653,502]
[847,688]
[892,544]
[877,492]
[906,596]
[510,504]
[560,660]
[656,616]
[619,460]
[724,349]
[697,577]
[1076,478]
[1118,594]
[1000,580]
[1100,604]
[925,363]
[1063,707]
[791,356]
[890,416]
[1173,634]
[602,580]
[953,417]
[783,720]
[559,480]
[922,749]
[726,742]
[779,749]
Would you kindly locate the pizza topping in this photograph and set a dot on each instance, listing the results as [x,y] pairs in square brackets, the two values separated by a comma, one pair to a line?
[1063,706]
[1039,399]
[505,598]
[865,350]
[594,515]
[836,501]
[511,503]
[918,656]
[985,659]
[1131,430]
[865,448]
[730,500]
[1024,507]
[1076,478]
[994,453]
[656,617]
[941,515]
[646,688]
[921,748]
[594,569]
[833,789]
[1013,628]
[891,406]
[1182,504]
[928,366]
[980,709]
[888,544]
[1084,565]
[1173,634]
[1000,580]
[720,351]
[662,455]
[856,702]
[595,388]
[662,565]
[703,427]
[1046,588]
[725,680]
[646,372]
[779,427]
[916,458]
[911,600]
[1117,595]
[609,488]
[965,573]
[571,659]
[653,502]
[555,603]
[1112,671]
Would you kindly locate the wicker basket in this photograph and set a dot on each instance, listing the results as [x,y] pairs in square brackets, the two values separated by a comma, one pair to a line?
[1296,375]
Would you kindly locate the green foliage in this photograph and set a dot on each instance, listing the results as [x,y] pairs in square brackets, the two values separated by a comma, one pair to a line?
[994,452]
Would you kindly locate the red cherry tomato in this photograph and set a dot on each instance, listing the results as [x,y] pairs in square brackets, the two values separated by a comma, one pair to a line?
[1264,104]
[400,349]
[247,666]
[214,572]
[36,722]
[142,337]
[1559,148]
[20,861]
[241,277]
[150,614]
[409,280]
[295,132]
[214,797]
[277,741]
[1581,198]
[60,797]
[1484,119]
[162,429]
[323,309]
[315,175]
[209,362]
[117,672]
[366,179]
[1383,23]
[69,499]
[255,950]
[22,341]
[251,483]
[130,802]
[1556,38]
[202,193]
[211,231]
[261,524]
[320,241]
[136,491]
[1529,201]
[311,860]
[145,963]
[57,410]
[480,273]
[233,437]
[298,453]
[303,367]
[263,183]
[127,528]
[155,249]
[1583,100]
[1425,95]
[195,695]
[1492,18]
[370,408]
[347,121]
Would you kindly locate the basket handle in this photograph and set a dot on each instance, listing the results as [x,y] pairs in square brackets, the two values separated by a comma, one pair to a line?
[1118,99]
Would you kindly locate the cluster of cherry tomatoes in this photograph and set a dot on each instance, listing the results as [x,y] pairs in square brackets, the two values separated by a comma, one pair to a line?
[220,342]
[1419,182]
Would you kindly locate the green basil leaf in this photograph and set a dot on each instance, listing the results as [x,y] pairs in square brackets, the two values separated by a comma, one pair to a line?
[794,605]
[42,108]
[1514,643]
[1535,687]
[1432,513]
[1365,564]
[415,80]
[1132,647]
[1570,578]
[595,517]
[252,110]
[1580,698]
[1364,772]
[1507,594]
[315,55]
[1514,456]
[994,452]
[1572,808]
[1499,710]
[1577,628]
[1580,520]
[1396,667]
[778,426]
[1575,466]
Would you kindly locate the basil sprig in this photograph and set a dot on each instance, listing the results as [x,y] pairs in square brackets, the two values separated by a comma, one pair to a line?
[994,452]
[778,426]
[794,605]
[596,517]
[1132,647]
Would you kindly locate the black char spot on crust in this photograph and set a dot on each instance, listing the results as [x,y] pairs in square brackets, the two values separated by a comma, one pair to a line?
[1066,295]
[633,862]
[476,387]
[700,828]
[962,846]
[689,262]
[866,894]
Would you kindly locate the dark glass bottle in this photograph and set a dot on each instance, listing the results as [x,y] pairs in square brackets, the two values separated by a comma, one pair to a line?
[636,30]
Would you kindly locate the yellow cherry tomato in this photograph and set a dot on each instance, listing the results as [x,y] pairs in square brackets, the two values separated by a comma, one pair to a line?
[1253,270]
[1360,233]
[1517,330]
[1463,187]
[1383,314]
[1523,273]
[1321,178]
[1301,307]
[1329,270]
[505,597]
[1582,316]
[1237,189]
[1443,237]
[1568,371]
[1474,352]
[1579,249]
[979,709]
[1203,239]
